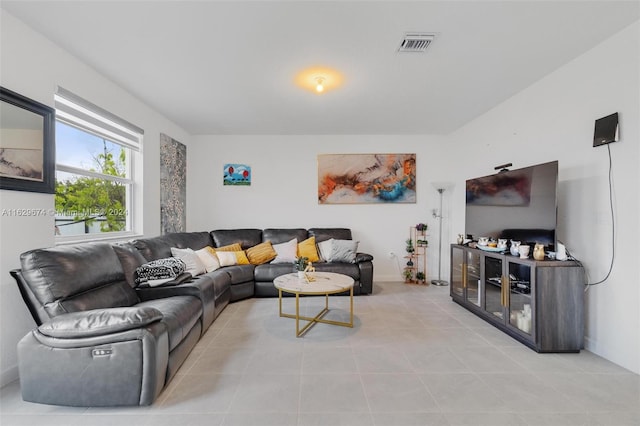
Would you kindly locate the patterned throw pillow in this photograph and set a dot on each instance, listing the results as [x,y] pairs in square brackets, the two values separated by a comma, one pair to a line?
[230,247]
[261,253]
[236,249]
[208,257]
[159,269]
[241,257]
[227,258]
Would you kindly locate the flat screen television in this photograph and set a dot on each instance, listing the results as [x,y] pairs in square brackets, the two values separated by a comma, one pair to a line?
[515,204]
[606,130]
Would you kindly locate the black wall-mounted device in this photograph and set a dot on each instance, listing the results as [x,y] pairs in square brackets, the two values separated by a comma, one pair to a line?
[503,167]
[606,130]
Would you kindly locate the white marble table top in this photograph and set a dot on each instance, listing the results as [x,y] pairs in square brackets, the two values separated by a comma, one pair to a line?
[325,283]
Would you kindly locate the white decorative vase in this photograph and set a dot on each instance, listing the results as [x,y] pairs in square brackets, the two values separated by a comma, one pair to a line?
[515,245]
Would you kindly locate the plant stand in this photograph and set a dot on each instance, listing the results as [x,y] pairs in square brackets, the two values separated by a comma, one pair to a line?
[417,272]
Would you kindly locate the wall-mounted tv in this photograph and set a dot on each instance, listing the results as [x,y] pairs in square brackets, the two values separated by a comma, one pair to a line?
[516,204]
[606,130]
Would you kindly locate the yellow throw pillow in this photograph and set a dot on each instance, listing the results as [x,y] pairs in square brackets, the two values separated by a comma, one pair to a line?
[230,247]
[261,253]
[241,256]
[307,248]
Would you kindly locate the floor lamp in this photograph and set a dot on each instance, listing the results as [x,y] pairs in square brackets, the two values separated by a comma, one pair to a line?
[438,216]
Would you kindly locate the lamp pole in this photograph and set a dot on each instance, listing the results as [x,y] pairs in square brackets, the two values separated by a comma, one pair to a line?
[439,281]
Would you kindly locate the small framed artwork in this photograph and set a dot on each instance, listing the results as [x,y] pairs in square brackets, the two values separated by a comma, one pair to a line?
[237,174]
[27,144]
[366,178]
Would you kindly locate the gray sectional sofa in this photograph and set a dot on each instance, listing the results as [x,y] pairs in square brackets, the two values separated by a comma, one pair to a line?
[103,340]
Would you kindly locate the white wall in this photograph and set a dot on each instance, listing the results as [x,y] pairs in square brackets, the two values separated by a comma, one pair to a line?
[551,120]
[33,66]
[554,120]
[283,192]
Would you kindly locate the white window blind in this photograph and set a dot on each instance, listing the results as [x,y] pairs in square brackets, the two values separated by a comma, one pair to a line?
[78,112]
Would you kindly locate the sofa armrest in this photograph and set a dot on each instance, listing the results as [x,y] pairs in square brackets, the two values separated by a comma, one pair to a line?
[365,265]
[125,368]
[99,322]
[363,257]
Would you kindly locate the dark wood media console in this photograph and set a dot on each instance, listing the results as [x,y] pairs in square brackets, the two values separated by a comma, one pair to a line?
[539,303]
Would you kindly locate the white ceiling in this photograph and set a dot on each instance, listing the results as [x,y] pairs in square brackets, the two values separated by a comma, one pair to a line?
[217,67]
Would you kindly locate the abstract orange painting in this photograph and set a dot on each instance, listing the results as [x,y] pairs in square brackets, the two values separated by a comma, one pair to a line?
[366,178]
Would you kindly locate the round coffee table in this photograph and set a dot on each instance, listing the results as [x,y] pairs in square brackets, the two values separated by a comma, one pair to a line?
[325,283]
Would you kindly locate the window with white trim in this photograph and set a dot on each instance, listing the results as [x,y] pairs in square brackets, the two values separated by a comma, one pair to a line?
[96,153]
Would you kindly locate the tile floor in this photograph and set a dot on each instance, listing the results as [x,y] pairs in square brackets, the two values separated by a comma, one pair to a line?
[413,358]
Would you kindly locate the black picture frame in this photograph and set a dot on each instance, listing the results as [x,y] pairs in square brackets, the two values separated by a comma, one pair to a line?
[46,182]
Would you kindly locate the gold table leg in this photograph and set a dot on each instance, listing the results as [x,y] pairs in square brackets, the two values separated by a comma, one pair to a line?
[318,318]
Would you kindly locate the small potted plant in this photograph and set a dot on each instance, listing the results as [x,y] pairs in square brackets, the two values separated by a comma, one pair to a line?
[420,277]
[408,275]
[410,249]
[421,228]
[300,265]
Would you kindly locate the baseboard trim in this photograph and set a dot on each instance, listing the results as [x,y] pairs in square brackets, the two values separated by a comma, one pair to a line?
[386,278]
[9,375]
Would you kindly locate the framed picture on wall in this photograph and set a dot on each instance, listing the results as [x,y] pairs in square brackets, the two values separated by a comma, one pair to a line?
[27,144]
[236,174]
[366,178]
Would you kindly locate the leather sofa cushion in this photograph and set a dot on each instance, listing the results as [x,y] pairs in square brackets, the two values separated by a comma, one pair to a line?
[239,273]
[76,277]
[246,237]
[270,271]
[221,281]
[323,234]
[179,314]
[206,287]
[282,235]
[130,259]
[99,322]
[349,269]
[160,247]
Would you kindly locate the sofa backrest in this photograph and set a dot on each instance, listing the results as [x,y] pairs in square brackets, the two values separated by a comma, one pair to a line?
[246,237]
[323,234]
[160,247]
[282,235]
[74,278]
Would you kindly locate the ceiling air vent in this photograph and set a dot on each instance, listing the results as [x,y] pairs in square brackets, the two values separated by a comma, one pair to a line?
[415,42]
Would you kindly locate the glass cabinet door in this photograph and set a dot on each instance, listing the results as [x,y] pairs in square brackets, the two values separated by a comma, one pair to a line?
[457,272]
[472,278]
[519,301]
[493,293]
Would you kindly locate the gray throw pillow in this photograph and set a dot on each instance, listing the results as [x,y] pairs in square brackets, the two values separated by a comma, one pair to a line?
[343,251]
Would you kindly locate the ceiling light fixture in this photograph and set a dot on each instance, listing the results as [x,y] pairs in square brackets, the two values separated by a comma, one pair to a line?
[319,80]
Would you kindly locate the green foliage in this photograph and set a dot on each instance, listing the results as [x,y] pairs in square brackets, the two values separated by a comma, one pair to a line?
[89,198]
[409,248]
[407,274]
[301,263]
